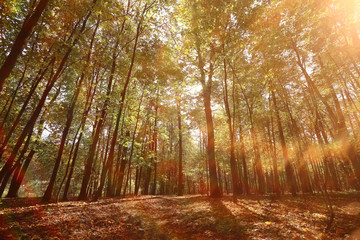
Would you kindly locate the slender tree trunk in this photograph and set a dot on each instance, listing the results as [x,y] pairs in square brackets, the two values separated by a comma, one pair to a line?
[258,169]
[180,181]
[110,160]
[20,40]
[276,188]
[16,182]
[244,164]
[137,180]
[288,166]
[31,122]
[68,164]
[206,85]
[234,172]
[70,114]
[337,121]
[13,96]
[302,163]
[16,166]
[88,104]
[93,146]
[214,186]
[23,107]
[121,173]
[132,144]
[146,182]
[154,149]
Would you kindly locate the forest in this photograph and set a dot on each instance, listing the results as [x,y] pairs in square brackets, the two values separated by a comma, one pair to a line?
[179,119]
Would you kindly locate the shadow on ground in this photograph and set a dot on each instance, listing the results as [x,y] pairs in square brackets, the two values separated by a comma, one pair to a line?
[188,217]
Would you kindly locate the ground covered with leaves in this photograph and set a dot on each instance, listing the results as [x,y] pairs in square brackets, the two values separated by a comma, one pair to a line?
[187,217]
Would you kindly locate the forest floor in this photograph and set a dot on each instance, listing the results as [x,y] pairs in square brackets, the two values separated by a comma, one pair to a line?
[187,217]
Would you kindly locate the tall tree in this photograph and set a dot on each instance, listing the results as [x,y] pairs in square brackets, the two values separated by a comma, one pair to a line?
[20,40]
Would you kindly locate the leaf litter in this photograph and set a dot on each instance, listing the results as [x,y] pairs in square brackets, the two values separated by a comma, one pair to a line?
[188,217]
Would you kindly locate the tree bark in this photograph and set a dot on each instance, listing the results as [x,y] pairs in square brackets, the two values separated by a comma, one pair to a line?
[110,160]
[234,173]
[180,180]
[99,126]
[70,114]
[20,40]
[132,144]
[288,166]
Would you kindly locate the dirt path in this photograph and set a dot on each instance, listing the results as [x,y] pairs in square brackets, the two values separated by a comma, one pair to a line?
[188,217]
